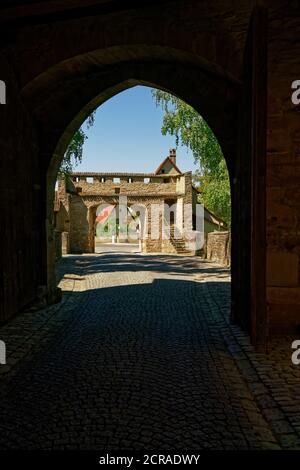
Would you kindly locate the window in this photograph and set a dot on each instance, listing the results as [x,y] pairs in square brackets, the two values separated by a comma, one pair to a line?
[90,179]
[130,180]
[146,180]
[102,179]
[116,180]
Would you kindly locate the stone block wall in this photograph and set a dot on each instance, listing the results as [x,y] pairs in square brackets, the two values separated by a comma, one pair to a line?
[65,249]
[23,254]
[151,244]
[283,172]
[136,187]
[85,192]
[82,214]
[218,247]
[58,244]
[79,226]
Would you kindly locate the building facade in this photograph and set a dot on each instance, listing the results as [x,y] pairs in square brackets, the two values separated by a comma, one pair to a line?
[160,210]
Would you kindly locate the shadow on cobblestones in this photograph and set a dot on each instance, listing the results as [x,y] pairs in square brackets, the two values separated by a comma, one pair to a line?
[140,354]
[123,263]
[133,360]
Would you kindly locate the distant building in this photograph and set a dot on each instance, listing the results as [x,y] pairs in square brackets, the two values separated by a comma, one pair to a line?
[84,207]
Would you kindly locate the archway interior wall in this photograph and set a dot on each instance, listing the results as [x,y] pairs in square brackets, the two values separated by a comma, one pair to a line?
[37,49]
[188,80]
[22,229]
[207,30]
[283,173]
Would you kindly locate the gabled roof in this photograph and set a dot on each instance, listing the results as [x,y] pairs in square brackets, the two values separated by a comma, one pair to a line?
[209,216]
[163,163]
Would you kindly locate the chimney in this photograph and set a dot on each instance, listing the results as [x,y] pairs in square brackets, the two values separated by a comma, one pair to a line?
[172,155]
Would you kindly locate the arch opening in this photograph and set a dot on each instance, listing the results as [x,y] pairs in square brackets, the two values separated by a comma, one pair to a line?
[103,203]
[216,97]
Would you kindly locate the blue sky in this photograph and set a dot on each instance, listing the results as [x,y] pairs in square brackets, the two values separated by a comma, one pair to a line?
[126,136]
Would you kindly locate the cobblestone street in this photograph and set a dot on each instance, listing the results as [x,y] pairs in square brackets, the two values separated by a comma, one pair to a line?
[140,355]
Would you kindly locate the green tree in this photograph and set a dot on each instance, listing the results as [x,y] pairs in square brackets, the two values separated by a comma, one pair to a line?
[191,130]
[74,152]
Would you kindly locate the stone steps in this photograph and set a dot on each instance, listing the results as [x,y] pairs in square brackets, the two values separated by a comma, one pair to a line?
[178,243]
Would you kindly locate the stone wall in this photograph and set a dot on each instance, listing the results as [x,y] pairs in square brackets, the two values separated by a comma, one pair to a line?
[218,247]
[140,187]
[23,254]
[283,172]
[57,72]
[78,199]
[66,68]
[77,214]
[79,226]
[58,244]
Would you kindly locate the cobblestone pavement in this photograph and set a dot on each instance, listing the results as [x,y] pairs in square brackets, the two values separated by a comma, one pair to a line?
[116,247]
[140,355]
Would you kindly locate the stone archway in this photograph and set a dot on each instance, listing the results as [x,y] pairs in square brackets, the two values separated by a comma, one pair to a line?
[198,58]
[173,77]
[227,92]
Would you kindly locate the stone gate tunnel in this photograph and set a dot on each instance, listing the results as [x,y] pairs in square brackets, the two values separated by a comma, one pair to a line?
[237,64]
[233,63]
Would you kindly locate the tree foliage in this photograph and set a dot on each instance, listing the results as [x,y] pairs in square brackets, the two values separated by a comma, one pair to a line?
[191,130]
[74,152]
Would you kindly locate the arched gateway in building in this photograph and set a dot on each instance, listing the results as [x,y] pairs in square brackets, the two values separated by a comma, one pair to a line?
[158,210]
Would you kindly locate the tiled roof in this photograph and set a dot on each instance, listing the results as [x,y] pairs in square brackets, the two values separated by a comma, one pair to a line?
[172,163]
